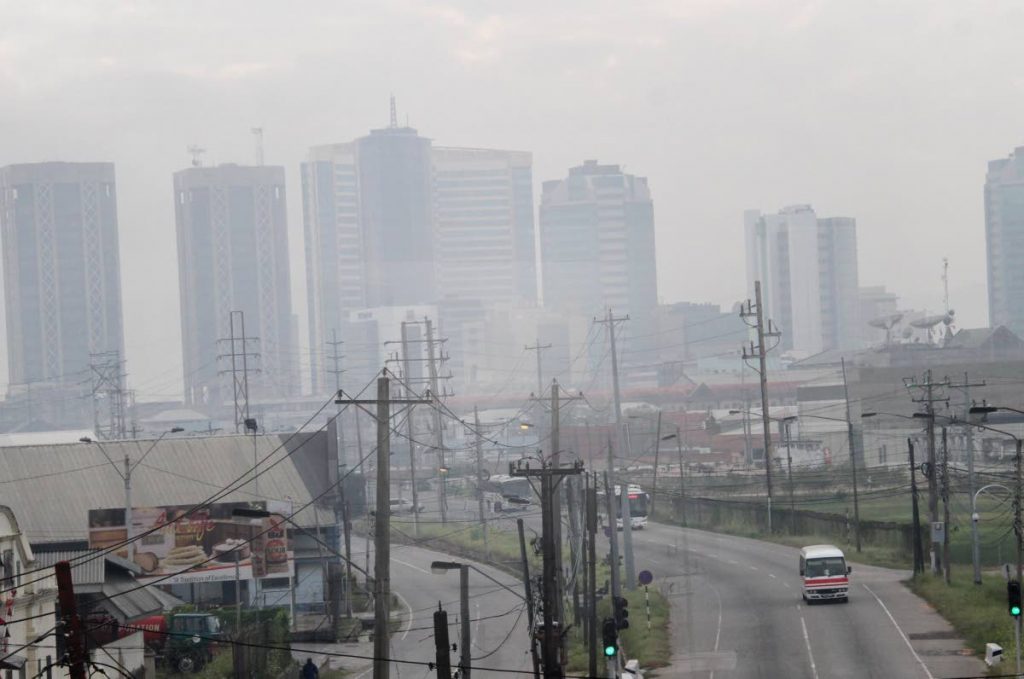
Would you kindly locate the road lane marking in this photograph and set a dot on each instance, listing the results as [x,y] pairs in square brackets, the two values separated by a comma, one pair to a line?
[409,565]
[753,568]
[732,562]
[772,576]
[718,632]
[786,585]
[924,667]
[807,643]
[411,614]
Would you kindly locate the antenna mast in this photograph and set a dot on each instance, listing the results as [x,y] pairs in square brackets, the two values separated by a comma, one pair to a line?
[197,155]
[394,113]
[258,134]
[945,283]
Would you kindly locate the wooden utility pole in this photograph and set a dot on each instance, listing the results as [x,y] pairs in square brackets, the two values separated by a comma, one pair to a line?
[760,351]
[443,660]
[538,347]
[530,615]
[442,490]
[554,626]
[382,524]
[657,459]
[965,389]
[915,512]
[613,533]
[480,480]
[592,576]
[945,506]
[71,623]
[853,459]
[409,432]
[929,399]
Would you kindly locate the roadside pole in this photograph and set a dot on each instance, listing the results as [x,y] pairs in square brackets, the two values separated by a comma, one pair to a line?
[529,599]
[627,536]
[592,575]
[613,536]
[916,513]
[479,483]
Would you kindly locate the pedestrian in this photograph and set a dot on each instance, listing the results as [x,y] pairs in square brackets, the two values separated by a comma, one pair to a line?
[309,670]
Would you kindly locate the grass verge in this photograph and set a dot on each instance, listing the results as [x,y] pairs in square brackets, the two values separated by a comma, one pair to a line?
[977,612]
[651,647]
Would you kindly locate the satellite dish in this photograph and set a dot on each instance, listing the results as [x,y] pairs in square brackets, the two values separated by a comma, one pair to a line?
[928,322]
[907,332]
[886,322]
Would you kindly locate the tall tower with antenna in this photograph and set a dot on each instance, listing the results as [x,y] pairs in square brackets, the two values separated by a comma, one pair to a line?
[945,283]
[394,114]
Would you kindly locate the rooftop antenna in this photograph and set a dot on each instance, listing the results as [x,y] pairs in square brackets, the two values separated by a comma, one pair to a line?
[197,155]
[394,112]
[945,282]
[258,134]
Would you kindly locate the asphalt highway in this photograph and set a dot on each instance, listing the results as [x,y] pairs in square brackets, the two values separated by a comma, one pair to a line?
[737,612]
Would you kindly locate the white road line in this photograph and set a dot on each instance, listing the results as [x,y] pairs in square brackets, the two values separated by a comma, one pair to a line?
[772,576]
[718,632]
[786,585]
[753,568]
[411,615]
[409,565]
[807,643]
[924,667]
[732,562]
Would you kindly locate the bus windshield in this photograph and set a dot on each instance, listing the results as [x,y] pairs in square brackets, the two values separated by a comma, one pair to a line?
[823,568]
[637,505]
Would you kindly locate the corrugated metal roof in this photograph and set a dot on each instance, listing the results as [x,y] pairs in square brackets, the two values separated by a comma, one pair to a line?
[86,573]
[52,488]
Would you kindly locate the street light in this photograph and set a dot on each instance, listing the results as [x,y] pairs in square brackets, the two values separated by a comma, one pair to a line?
[682,478]
[126,476]
[1017,529]
[442,567]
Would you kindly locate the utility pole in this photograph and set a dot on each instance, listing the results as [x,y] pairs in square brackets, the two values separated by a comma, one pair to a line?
[538,347]
[929,399]
[945,505]
[657,452]
[682,478]
[239,369]
[916,514]
[761,352]
[853,459]
[610,320]
[480,480]
[382,524]
[407,376]
[613,533]
[70,622]
[965,389]
[335,357]
[592,576]
[465,643]
[442,490]
[530,616]
[441,656]
[553,626]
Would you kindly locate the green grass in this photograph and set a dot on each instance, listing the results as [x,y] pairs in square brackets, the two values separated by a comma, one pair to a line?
[652,647]
[977,612]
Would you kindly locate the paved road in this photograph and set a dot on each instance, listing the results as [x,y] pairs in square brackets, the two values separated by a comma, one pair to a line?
[499,632]
[737,612]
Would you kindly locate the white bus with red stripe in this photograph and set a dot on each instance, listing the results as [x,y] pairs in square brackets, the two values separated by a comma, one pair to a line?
[825,575]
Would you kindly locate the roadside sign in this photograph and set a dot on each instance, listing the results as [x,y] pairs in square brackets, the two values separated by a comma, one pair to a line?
[938,531]
[645,578]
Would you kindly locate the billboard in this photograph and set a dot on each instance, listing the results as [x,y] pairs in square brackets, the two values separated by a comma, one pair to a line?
[202,546]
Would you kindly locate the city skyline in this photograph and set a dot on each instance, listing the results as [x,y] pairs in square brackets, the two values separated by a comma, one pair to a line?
[665,90]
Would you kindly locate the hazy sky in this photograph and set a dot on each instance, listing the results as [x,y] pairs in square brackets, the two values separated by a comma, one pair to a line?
[882,111]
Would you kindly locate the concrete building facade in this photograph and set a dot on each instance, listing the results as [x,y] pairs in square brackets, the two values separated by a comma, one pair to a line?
[233,256]
[62,280]
[597,242]
[1004,240]
[808,272]
[392,221]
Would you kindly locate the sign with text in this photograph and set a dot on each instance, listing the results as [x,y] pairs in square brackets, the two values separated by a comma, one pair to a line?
[201,546]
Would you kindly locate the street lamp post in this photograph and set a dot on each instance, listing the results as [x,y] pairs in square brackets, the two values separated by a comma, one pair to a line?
[682,479]
[125,472]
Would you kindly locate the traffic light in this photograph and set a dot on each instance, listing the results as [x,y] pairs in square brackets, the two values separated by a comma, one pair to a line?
[610,636]
[1013,597]
[621,612]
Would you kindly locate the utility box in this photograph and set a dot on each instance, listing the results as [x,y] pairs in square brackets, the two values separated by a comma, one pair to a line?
[993,654]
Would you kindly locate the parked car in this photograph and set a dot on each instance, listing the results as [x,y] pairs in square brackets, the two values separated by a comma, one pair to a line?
[405,506]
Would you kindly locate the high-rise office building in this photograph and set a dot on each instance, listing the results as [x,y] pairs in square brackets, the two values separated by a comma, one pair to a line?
[1004,238]
[597,243]
[391,221]
[62,280]
[233,256]
[484,225]
[808,272]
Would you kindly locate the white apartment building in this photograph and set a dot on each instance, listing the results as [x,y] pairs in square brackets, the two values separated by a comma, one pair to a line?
[808,272]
